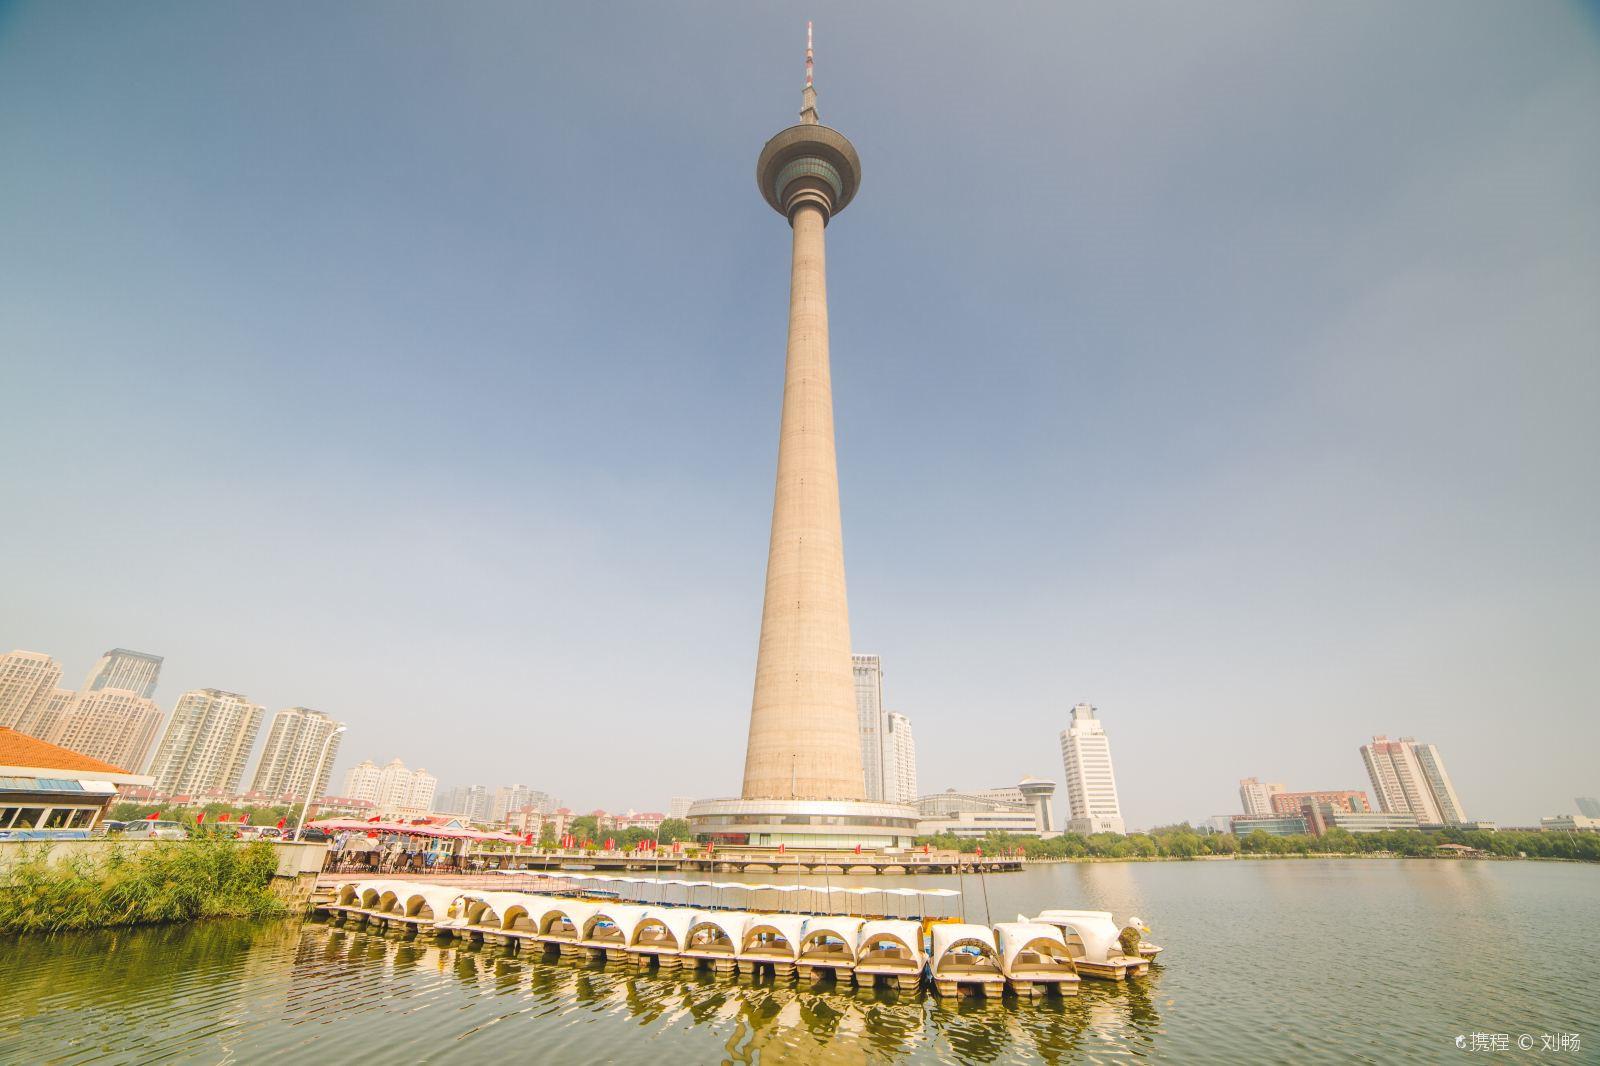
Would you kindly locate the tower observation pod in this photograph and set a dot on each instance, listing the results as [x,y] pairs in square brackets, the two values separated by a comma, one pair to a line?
[803,782]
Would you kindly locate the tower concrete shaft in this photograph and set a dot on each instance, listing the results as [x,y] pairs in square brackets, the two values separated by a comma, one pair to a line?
[804,741]
[804,738]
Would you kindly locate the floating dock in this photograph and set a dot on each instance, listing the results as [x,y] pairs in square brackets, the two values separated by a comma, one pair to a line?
[1047,955]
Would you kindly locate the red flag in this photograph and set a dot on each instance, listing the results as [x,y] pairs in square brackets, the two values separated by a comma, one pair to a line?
[200,818]
[372,834]
[222,817]
[153,816]
[610,843]
[527,838]
[244,819]
[924,849]
[375,818]
[780,849]
[980,853]
[858,849]
[280,824]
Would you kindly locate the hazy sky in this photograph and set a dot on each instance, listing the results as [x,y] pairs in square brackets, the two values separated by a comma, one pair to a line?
[1232,367]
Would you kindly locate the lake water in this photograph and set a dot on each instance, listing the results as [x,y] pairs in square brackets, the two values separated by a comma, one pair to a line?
[1383,961]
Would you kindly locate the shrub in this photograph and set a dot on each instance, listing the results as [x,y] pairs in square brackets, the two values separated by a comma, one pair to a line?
[166,881]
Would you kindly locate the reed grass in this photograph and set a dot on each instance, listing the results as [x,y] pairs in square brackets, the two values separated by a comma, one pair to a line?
[166,881]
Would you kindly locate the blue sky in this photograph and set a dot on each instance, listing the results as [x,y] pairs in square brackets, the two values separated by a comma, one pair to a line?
[1230,367]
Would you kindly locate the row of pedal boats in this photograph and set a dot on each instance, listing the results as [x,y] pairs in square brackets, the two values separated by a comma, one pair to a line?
[1048,953]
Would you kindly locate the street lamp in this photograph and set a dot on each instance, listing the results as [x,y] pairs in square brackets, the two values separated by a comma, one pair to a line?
[312,786]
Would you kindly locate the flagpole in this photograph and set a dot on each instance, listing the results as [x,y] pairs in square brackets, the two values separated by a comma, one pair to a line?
[312,785]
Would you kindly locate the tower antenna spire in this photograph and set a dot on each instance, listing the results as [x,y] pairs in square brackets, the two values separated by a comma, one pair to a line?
[808,98]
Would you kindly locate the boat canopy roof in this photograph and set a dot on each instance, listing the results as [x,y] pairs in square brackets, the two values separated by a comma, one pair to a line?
[1013,937]
[947,936]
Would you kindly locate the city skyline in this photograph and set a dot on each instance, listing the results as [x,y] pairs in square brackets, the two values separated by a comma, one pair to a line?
[1197,410]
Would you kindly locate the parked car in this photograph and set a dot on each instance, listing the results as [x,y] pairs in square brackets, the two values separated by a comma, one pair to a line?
[271,832]
[155,830]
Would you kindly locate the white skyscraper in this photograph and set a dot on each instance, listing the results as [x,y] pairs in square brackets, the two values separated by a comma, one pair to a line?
[27,678]
[900,753]
[295,747]
[131,671]
[1256,795]
[1409,778]
[870,720]
[111,725]
[1091,782]
[207,743]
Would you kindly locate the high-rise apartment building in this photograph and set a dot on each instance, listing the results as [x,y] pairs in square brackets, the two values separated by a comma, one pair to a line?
[395,789]
[1439,784]
[1091,782]
[679,807]
[900,757]
[1588,806]
[131,671]
[300,742]
[46,716]
[206,743]
[112,725]
[361,782]
[1410,778]
[1256,795]
[868,671]
[508,798]
[888,746]
[27,678]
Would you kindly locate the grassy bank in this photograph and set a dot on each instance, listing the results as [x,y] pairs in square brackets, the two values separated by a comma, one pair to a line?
[168,881]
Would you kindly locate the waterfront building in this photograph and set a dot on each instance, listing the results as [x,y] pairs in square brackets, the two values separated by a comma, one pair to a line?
[1369,821]
[1570,823]
[27,678]
[54,790]
[361,781]
[804,780]
[1038,795]
[131,671]
[301,741]
[1409,778]
[1274,825]
[1292,802]
[1091,781]
[112,725]
[976,813]
[206,743]
[1588,806]
[1255,796]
